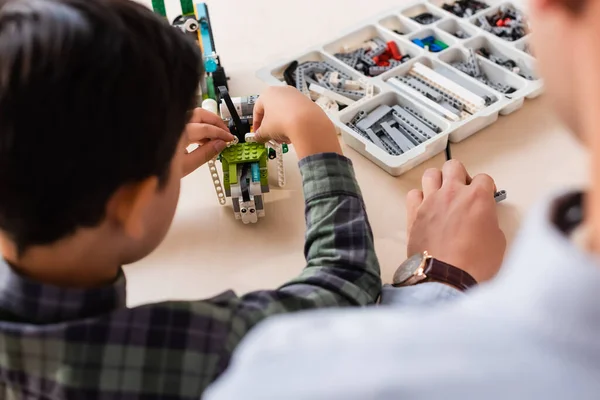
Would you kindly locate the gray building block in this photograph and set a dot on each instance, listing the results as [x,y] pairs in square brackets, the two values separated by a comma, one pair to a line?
[247,109]
[424,120]
[385,142]
[306,64]
[380,41]
[343,58]
[483,22]
[332,67]
[351,94]
[427,90]
[374,138]
[402,123]
[305,72]
[374,116]
[258,203]
[310,81]
[300,82]
[391,147]
[355,57]
[448,73]
[410,120]
[359,117]
[414,139]
[500,196]
[375,71]
[355,129]
[402,141]
[418,136]
[377,52]
[450,108]
[474,63]
[368,61]
[446,95]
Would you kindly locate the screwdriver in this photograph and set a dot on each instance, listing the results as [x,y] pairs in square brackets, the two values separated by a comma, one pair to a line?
[498,196]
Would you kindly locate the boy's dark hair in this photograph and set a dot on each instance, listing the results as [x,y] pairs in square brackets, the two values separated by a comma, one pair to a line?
[94,94]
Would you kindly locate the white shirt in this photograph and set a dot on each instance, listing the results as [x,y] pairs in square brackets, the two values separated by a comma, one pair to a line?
[533,333]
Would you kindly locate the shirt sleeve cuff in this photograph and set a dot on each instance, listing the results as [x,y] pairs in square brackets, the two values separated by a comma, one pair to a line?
[423,294]
[328,173]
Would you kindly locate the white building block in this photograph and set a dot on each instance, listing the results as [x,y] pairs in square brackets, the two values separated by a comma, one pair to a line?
[330,94]
[458,90]
[430,103]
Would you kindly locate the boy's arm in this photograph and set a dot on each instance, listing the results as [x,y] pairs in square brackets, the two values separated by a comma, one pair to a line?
[342,268]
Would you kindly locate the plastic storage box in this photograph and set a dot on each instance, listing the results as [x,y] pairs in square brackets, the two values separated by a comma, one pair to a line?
[397,25]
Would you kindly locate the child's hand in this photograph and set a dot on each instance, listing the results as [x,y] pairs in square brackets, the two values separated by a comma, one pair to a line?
[210,133]
[285,115]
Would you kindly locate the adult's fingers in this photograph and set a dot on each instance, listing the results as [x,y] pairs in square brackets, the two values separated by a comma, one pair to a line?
[454,171]
[198,132]
[431,181]
[486,182]
[202,116]
[414,198]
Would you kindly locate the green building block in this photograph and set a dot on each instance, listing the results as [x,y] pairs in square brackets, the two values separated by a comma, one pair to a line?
[211,88]
[441,44]
[187,7]
[242,153]
[159,7]
[226,182]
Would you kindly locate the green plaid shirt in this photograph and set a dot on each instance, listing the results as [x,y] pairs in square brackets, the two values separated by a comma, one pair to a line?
[58,343]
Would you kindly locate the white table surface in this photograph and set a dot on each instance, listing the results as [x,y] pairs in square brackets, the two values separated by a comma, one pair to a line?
[207,251]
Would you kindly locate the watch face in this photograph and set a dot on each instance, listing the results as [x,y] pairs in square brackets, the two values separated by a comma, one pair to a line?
[408,268]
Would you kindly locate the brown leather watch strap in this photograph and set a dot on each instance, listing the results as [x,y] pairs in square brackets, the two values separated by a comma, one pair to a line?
[439,271]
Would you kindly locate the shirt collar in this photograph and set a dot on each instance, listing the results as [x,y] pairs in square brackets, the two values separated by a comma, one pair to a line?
[26,300]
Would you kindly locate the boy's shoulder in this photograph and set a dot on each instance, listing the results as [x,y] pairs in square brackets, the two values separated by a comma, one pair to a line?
[220,307]
[186,344]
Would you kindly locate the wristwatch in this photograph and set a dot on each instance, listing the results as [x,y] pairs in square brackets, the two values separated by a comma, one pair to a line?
[424,268]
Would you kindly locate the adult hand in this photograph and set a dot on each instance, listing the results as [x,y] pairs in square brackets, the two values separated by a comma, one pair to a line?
[285,115]
[210,133]
[454,218]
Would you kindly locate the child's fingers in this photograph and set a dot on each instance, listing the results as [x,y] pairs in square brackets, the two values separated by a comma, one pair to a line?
[259,114]
[202,155]
[202,116]
[260,137]
[197,132]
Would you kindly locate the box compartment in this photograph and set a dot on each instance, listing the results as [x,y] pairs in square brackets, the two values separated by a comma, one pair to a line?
[394,165]
[383,25]
[452,26]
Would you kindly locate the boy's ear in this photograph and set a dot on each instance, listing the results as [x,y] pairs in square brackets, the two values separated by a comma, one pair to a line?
[128,206]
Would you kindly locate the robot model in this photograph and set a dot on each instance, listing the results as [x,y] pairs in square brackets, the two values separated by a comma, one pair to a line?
[195,22]
[244,162]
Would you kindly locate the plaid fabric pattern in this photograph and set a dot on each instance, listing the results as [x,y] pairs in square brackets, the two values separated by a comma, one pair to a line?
[58,343]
